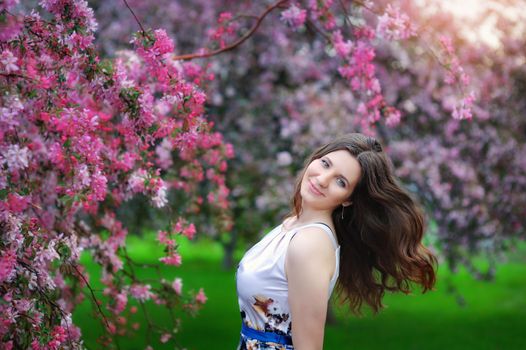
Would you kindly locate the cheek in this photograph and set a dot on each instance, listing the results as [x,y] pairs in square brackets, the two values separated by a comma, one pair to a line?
[342,195]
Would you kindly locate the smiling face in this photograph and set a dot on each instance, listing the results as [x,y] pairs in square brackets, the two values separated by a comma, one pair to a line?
[329,181]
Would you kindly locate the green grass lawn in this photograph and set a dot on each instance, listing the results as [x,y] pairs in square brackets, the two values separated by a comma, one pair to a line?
[493,317]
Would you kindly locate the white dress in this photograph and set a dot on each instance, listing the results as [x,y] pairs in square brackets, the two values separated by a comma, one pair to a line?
[262,287]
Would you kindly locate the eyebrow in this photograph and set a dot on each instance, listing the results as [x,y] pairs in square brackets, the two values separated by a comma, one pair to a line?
[330,162]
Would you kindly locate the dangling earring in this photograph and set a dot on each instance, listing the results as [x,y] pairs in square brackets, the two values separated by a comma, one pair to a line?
[343,209]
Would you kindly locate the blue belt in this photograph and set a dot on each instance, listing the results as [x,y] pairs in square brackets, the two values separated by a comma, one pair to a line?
[265,336]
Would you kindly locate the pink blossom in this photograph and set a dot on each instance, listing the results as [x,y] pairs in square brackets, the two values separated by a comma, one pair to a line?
[82,180]
[162,236]
[165,337]
[9,61]
[164,154]
[160,197]
[464,111]
[77,41]
[174,259]
[35,345]
[393,116]
[82,11]
[23,305]
[58,337]
[121,300]
[141,292]
[201,297]
[177,285]
[189,231]
[136,181]
[294,16]
[8,4]
[343,48]
[321,11]
[48,254]
[110,326]
[447,44]
[394,25]
[7,265]
[178,226]
[99,185]
[56,155]
[17,203]
[17,158]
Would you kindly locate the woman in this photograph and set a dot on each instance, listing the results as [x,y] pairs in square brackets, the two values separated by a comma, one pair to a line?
[352,224]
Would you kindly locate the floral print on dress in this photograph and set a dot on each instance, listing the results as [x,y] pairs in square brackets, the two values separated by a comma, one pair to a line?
[276,321]
[254,344]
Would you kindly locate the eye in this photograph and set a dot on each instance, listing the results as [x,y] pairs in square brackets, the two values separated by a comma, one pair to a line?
[341,182]
[324,163]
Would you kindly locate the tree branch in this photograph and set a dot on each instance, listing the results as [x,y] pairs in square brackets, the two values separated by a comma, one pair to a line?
[15,75]
[236,43]
[133,13]
[92,294]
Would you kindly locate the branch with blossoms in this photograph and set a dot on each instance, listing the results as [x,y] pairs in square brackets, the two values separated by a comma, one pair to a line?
[225,19]
[356,51]
[394,25]
[80,136]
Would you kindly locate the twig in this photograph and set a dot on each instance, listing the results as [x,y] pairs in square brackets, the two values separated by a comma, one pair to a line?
[143,306]
[92,294]
[16,75]
[314,28]
[53,304]
[236,43]
[136,19]
[345,13]
[367,7]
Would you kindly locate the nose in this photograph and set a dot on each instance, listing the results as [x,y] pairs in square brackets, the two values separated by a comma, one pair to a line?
[323,179]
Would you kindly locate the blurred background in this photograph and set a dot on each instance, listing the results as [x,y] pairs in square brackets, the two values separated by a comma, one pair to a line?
[279,95]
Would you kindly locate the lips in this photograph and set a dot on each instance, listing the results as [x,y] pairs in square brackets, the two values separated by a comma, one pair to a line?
[314,189]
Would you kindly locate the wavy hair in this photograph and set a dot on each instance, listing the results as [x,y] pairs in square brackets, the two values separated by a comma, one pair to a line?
[380,234]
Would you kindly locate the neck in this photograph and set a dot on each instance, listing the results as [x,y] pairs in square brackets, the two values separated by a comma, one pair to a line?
[309,215]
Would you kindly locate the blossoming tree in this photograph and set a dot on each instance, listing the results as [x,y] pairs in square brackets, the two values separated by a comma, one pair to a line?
[79,136]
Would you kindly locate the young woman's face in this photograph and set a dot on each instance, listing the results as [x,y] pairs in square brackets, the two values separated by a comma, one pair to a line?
[329,181]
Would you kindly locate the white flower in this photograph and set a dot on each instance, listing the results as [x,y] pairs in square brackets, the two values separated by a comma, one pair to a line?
[9,61]
[160,199]
[17,158]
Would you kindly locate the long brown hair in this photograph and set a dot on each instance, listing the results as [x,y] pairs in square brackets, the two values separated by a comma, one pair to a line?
[381,232]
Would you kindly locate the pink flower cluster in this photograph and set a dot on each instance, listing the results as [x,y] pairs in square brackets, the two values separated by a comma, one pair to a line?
[456,76]
[321,10]
[359,70]
[78,137]
[294,16]
[225,30]
[395,25]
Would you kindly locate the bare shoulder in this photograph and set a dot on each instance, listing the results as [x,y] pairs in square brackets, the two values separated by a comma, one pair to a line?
[310,253]
[309,243]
